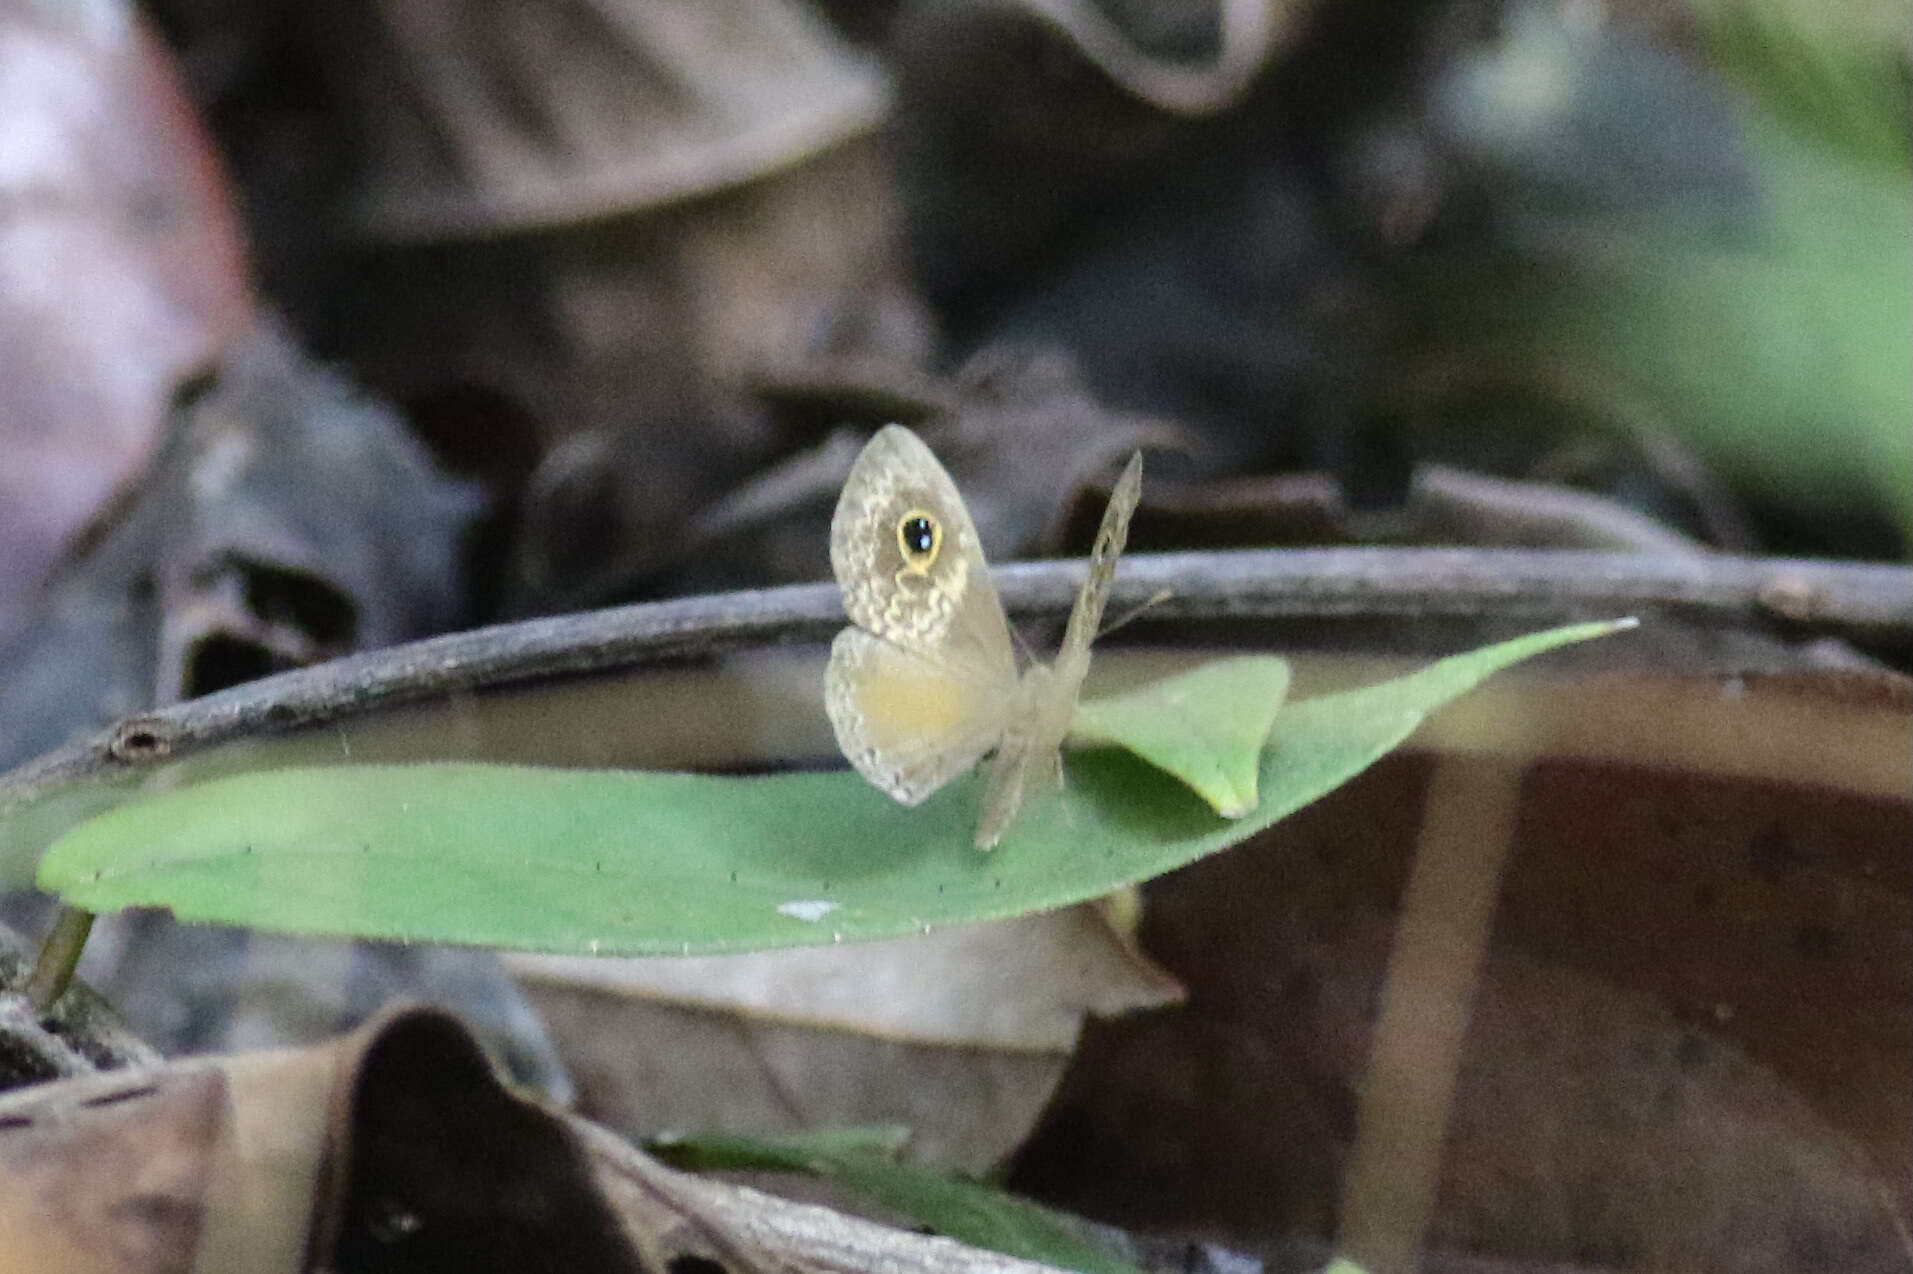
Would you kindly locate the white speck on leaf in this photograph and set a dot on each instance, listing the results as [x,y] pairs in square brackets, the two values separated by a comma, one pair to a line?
[807,909]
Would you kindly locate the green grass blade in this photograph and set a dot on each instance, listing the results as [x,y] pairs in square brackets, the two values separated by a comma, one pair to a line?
[958,1208]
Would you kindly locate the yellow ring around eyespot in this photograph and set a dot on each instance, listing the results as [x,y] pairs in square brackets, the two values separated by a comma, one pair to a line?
[915,560]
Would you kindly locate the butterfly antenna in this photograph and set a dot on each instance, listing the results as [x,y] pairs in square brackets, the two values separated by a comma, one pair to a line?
[1157,598]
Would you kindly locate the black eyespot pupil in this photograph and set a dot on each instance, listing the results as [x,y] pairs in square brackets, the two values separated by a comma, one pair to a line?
[919,536]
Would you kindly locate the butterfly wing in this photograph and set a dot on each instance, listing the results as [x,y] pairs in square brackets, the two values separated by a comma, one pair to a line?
[908,723]
[945,608]
[920,689]
[1032,745]
[1072,661]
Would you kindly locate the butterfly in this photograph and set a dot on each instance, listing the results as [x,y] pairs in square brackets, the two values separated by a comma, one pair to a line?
[924,683]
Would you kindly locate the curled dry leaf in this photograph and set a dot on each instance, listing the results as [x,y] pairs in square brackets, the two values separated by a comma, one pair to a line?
[959,1035]
[1246,32]
[584,107]
[395,1148]
[157,1168]
[286,520]
[647,1067]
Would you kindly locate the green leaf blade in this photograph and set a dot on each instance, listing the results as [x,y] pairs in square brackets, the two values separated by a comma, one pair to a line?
[636,863]
[1205,726]
[952,1206]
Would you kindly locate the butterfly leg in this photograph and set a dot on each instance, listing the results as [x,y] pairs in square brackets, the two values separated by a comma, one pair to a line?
[1003,793]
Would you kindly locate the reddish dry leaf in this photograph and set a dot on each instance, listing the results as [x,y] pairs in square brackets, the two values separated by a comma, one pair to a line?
[121,270]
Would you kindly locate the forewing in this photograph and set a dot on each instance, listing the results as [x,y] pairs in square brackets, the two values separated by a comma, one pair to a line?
[1072,661]
[907,722]
[1087,614]
[950,612]
[1047,699]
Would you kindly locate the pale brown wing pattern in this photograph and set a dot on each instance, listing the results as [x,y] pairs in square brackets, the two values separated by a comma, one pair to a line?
[1032,746]
[926,683]
[908,724]
[949,613]
[1072,661]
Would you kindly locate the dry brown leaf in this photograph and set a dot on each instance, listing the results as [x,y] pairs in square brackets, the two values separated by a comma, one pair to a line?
[521,116]
[959,1035]
[1021,985]
[1686,1048]
[646,1067]
[392,1149]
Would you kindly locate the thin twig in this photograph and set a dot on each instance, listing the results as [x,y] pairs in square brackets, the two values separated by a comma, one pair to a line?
[1871,604]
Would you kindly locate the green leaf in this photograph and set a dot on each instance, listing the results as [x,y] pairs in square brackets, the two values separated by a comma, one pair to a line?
[1834,74]
[639,863]
[1824,299]
[1205,726]
[1784,362]
[1770,339]
[961,1209]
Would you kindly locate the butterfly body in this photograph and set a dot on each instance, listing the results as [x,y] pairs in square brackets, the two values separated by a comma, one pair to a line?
[925,684]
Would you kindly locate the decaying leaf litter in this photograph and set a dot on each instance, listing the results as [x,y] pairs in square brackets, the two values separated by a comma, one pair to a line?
[587,342]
